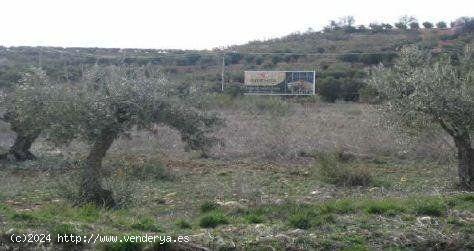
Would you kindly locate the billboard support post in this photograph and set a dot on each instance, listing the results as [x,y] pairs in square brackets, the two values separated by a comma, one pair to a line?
[314,82]
[222,72]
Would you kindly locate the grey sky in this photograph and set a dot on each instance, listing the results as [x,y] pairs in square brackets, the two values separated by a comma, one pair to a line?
[194,24]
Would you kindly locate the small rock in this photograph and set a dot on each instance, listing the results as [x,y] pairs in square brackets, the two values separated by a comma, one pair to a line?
[220,241]
[170,195]
[279,202]
[315,192]
[426,220]
[233,205]
[283,237]
[297,231]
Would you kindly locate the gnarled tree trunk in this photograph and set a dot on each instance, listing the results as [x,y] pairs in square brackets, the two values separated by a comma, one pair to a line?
[91,189]
[465,162]
[20,150]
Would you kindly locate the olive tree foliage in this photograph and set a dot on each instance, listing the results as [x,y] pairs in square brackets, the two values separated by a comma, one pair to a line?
[28,111]
[113,100]
[422,93]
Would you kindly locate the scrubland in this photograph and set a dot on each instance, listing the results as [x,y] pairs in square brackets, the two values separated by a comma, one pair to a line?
[294,174]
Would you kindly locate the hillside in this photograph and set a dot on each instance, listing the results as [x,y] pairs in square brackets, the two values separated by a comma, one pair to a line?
[340,58]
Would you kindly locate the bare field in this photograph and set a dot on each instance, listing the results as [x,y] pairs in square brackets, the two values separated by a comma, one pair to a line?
[266,136]
[262,188]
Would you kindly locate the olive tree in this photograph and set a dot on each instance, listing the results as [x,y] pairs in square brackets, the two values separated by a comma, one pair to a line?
[422,92]
[27,110]
[441,25]
[428,25]
[113,100]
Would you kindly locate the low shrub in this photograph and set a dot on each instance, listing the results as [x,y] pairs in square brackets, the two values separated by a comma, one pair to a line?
[22,216]
[148,170]
[333,171]
[183,224]
[146,224]
[208,206]
[213,219]
[370,95]
[301,220]
[386,207]
[431,206]
[254,218]
[307,217]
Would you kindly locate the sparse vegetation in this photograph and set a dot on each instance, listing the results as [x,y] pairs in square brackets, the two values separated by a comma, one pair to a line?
[331,169]
[323,172]
[213,219]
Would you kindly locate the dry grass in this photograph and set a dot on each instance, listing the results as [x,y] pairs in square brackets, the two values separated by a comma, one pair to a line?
[304,129]
[321,127]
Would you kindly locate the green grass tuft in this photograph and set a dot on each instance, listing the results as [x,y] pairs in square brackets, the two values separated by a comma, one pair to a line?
[213,219]
[146,224]
[386,207]
[301,220]
[344,206]
[183,224]
[62,229]
[23,216]
[208,206]
[254,218]
[123,246]
[430,206]
[332,170]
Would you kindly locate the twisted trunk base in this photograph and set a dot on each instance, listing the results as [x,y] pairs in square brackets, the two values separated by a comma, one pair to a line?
[465,163]
[91,188]
[20,150]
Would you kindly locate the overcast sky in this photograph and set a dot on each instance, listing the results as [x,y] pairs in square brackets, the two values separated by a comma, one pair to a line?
[194,24]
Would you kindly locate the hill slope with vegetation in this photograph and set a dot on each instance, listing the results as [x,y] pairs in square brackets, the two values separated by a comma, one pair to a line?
[340,54]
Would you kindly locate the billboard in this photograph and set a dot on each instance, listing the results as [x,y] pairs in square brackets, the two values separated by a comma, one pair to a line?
[280,82]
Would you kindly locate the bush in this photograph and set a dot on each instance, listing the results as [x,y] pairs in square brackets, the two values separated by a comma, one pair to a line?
[432,206]
[370,95]
[350,90]
[148,171]
[254,218]
[306,218]
[300,220]
[378,58]
[233,90]
[333,171]
[441,25]
[428,25]
[340,82]
[183,224]
[208,206]
[369,58]
[414,26]
[329,89]
[213,219]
